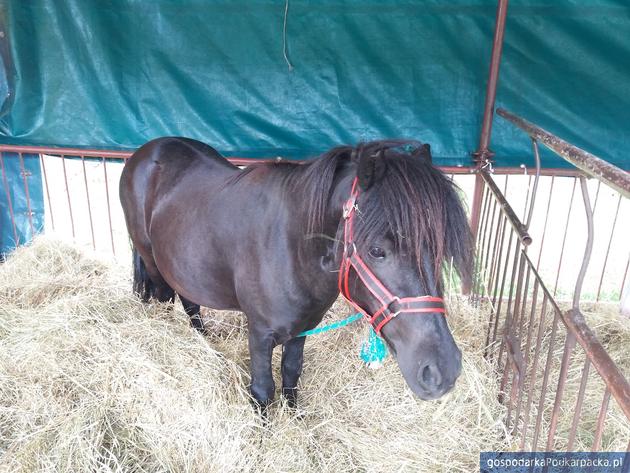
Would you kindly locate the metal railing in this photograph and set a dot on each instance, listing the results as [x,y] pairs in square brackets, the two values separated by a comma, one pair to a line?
[548,358]
[80,191]
[593,166]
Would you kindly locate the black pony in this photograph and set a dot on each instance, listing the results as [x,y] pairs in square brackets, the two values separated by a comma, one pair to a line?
[269,241]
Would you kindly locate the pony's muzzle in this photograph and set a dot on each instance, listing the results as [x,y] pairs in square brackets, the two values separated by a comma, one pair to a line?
[436,377]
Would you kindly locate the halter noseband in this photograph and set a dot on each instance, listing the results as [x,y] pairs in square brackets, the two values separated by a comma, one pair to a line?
[391,305]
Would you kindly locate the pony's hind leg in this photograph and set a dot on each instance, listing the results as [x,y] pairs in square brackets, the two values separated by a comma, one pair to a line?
[192,310]
[148,282]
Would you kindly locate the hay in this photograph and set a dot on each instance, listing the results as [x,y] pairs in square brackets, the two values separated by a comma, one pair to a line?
[93,380]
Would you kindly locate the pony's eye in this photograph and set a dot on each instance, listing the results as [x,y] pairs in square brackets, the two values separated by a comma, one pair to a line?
[377,252]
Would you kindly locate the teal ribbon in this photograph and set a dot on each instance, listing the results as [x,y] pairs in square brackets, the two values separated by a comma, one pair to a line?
[373,350]
[333,326]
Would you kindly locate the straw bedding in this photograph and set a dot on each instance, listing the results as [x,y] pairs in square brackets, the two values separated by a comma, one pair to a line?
[93,380]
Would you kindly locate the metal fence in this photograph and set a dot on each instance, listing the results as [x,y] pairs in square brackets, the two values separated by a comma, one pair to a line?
[546,355]
[80,195]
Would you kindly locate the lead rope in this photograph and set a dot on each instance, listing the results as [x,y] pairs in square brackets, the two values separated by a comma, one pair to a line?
[373,349]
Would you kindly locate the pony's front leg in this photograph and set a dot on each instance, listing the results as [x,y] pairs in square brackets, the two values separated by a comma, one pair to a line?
[292,359]
[261,343]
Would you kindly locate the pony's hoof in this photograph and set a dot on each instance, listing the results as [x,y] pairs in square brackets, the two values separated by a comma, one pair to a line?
[290,394]
[262,409]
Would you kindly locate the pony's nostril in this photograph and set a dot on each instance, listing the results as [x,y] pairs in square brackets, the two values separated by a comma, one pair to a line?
[426,374]
[430,377]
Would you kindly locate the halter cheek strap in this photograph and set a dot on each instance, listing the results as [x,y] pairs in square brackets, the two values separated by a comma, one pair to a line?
[391,306]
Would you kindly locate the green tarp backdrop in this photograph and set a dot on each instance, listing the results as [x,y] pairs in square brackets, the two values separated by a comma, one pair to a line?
[116,73]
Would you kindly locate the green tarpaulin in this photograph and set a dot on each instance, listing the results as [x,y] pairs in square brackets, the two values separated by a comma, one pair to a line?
[235,74]
[116,73]
[17,224]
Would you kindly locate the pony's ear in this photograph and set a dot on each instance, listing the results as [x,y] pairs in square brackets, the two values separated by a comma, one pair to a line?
[371,169]
[424,152]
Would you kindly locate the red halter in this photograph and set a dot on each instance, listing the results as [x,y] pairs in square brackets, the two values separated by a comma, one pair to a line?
[391,305]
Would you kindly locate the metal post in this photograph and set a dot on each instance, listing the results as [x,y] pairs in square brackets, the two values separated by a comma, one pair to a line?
[483,154]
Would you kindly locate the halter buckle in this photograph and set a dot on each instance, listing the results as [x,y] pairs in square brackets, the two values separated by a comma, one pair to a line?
[348,207]
[395,314]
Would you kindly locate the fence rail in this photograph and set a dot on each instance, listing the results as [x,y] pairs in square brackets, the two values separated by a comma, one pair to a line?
[592,165]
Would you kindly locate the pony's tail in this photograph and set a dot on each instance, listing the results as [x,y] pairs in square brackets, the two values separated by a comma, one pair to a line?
[142,284]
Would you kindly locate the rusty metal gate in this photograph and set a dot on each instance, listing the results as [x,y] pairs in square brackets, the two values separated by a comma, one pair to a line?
[546,356]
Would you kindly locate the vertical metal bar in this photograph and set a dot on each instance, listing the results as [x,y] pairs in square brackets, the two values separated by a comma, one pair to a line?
[9,201]
[528,220]
[109,212]
[578,404]
[543,389]
[601,419]
[494,316]
[530,323]
[599,184]
[522,375]
[504,381]
[481,243]
[475,211]
[492,289]
[483,153]
[521,318]
[625,275]
[496,245]
[507,326]
[65,178]
[500,258]
[50,205]
[498,305]
[26,193]
[562,379]
[564,238]
[612,234]
[542,239]
[87,193]
[588,249]
[491,233]
[528,404]
[529,186]
[484,216]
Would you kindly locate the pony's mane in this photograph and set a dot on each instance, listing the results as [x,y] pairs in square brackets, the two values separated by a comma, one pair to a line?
[413,202]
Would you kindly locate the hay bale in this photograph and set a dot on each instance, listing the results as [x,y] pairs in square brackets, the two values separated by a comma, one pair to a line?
[93,380]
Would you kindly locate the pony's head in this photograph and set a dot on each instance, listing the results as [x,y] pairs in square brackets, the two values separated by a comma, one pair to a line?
[403,221]
[407,223]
